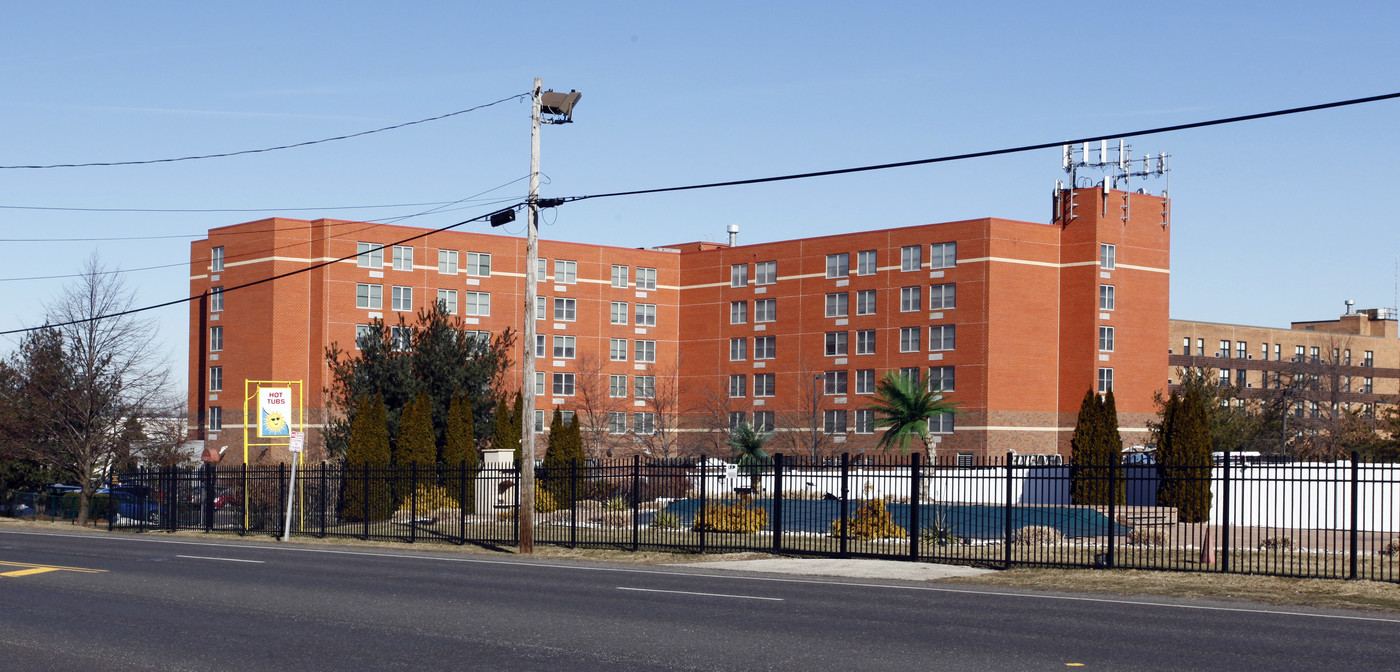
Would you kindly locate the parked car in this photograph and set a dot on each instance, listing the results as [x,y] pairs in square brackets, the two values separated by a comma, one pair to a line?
[135,502]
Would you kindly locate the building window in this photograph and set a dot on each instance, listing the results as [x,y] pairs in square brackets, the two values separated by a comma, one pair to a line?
[865,342]
[1367,359]
[216,259]
[644,422]
[447,262]
[763,384]
[403,258]
[618,313]
[765,310]
[865,302]
[644,351]
[565,310]
[1107,254]
[941,424]
[1105,339]
[1240,347]
[563,384]
[1106,380]
[216,378]
[539,421]
[834,382]
[363,333]
[838,265]
[738,349]
[765,347]
[1278,352]
[447,300]
[401,298]
[865,262]
[1186,347]
[216,299]
[836,343]
[909,299]
[838,304]
[1367,385]
[1298,353]
[738,386]
[617,349]
[763,421]
[400,338]
[369,255]
[541,307]
[943,337]
[1240,378]
[564,347]
[617,386]
[644,387]
[865,381]
[943,297]
[565,272]
[477,303]
[911,258]
[910,373]
[943,255]
[909,339]
[619,277]
[479,264]
[865,421]
[216,418]
[1313,353]
[739,275]
[1224,349]
[765,273]
[541,270]
[646,278]
[1346,357]
[940,378]
[540,346]
[539,384]
[617,422]
[736,418]
[646,314]
[834,422]
[738,312]
[1106,298]
[369,297]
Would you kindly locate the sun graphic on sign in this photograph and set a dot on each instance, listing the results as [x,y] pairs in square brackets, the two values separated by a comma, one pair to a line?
[274,423]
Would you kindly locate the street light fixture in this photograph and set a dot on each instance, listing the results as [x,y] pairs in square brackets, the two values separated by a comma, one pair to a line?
[560,107]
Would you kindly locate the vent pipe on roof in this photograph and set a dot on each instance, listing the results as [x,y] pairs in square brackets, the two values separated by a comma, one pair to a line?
[733,234]
[1349,303]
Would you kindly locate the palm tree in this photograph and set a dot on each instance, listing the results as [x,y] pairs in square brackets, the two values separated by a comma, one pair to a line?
[903,407]
[747,443]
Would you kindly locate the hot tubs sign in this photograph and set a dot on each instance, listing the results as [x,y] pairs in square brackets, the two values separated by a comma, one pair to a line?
[274,411]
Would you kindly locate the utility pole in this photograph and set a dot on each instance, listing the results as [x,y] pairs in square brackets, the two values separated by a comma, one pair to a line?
[525,514]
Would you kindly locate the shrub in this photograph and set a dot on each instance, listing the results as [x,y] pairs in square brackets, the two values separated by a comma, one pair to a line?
[1142,536]
[617,503]
[731,516]
[544,503]
[1036,535]
[871,521]
[432,497]
[665,521]
[1392,548]
[1280,543]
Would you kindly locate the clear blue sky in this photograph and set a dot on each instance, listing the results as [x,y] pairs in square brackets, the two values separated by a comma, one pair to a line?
[1273,220]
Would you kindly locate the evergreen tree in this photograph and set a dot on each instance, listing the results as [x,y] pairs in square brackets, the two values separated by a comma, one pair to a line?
[415,447]
[505,427]
[517,411]
[565,449]
[1096,451]
[368,447]
[459,448]
[1184,458]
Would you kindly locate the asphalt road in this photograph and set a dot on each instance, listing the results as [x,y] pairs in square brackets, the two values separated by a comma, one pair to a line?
[172,603]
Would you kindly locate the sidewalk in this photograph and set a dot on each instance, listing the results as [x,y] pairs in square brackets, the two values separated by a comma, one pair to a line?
[862,569]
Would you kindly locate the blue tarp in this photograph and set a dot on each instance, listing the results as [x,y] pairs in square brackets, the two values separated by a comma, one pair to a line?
[967,521]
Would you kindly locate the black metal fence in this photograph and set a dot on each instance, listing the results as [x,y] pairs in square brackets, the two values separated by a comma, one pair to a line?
[1337,520]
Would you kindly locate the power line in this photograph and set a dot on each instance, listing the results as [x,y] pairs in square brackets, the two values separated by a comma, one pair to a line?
[266,149]
[199,210]
[996,152]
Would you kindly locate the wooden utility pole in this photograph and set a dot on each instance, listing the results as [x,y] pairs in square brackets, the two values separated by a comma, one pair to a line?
[525,514]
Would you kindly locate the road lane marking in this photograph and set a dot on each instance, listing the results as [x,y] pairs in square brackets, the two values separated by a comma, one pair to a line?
[205,557]
[712,576]
[686,592]
[29,569]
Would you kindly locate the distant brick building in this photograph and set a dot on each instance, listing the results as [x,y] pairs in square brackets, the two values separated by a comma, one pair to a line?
[665,348]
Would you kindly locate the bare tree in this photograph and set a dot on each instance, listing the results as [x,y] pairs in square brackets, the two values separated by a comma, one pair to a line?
[666,409]
[595,402]
[89,376]
[714,407]
[803,419]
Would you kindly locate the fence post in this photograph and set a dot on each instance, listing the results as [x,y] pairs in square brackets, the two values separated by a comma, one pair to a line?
[700,515]
[636,503]
[413,503]
[1007,530]
[777,523]
[915,515]
[1355,502]
[321,502]
[365,508]
[1112,509]
[208,488]
[1225,515]
[519,477]
[282,496]
[573,503]
[845,500]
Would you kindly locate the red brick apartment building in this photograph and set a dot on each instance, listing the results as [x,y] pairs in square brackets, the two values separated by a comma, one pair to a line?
[1017,319]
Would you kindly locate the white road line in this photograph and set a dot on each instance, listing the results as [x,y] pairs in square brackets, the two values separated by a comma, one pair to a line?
[725,576]
[203,557]
[686,592]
